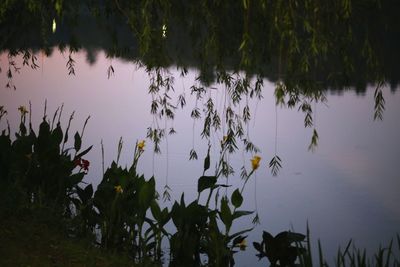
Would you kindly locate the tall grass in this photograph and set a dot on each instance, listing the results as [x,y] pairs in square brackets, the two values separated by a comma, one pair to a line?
[351,256]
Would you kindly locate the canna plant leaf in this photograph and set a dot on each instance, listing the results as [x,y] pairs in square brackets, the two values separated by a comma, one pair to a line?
[206,182]
[77,141]
[237,198]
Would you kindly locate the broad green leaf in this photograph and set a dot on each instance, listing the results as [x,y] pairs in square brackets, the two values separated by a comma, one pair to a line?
[295,237]
[43,138]
[155,210]
[75,179]
[226,214]
[239,233]
[77,142]
[267,237]
[237,198]
[205,182]
[165,216]
[57,135]
[257,246]
[146,195]
[176,215]
[89,191]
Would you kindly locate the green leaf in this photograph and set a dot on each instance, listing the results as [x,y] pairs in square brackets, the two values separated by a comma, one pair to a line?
[84,152]
[240,213]
[176,214]
[89,191]
[267,237]
[78,142]
[146,194]
[57,135]
[75,179]
[165,216]
[226,214]
[81,193]
[237,198]
[205,182]
[295,237]
[240,233]
[257,246]
[77,203]
[207,160]
[66,137]
[155,210]
[44,133]
[84,194]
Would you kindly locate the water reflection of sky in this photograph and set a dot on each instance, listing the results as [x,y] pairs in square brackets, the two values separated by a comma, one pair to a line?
[347,189]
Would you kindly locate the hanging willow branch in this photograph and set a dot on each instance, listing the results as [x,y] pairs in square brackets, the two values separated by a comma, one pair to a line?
[379,102]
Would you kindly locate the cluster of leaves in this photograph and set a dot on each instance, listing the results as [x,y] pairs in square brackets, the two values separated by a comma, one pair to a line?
[379,106]
[120,205]
[288,94]
[124,210]
[294,249]
[200,224]
[281,250]
[160,88]
[38,168]
[293,42]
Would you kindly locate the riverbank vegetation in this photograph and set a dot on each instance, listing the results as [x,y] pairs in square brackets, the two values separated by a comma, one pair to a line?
[46,205]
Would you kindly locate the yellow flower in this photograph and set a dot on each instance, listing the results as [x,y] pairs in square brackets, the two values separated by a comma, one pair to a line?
[141,145]
[255,162]
[118,189]
[23,110]
[242,245]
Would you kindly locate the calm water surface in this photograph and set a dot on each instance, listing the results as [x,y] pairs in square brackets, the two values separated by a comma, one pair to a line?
[348,188]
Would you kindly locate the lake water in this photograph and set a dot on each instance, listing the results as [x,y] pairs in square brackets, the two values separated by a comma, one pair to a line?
[348,188]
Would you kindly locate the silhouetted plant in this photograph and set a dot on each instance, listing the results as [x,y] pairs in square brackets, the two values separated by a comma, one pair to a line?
[122,201]
[280,250]
[37,166]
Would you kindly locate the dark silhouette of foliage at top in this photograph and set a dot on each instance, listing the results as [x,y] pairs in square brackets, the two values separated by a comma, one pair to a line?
[337,43]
